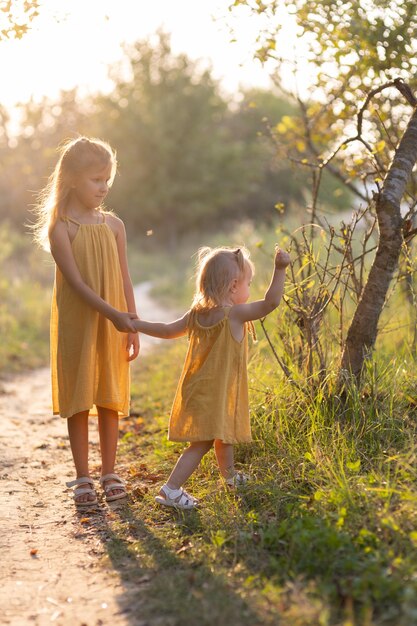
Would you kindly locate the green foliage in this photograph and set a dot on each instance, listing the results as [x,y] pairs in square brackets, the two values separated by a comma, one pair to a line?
[16,17]
[188,157]
[28,159]
[180,165]
[24,303]
[277,181]
[351,48]
[324,534]
[373,37]
[359,77]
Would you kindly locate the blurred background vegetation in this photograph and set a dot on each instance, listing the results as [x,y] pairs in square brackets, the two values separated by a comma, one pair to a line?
[192,163]
[188,156]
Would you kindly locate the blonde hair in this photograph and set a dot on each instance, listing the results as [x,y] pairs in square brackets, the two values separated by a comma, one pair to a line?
[216,269]
[75,156]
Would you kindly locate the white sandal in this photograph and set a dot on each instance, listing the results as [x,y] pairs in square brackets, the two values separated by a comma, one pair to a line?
[81,491]
[116,483]
[238,480]
[178,498]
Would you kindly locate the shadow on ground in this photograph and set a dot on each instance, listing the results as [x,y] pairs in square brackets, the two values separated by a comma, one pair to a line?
[163,585]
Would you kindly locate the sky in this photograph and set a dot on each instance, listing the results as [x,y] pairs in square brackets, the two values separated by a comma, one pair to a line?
[73,42]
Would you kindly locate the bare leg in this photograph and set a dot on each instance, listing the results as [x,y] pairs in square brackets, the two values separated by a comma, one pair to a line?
[188,463]
[225,458]
[78,436]
[108,428]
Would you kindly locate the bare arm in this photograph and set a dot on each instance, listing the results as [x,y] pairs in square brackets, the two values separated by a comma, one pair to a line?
[260,308]
[133,344]
[169,330]
[122,251]
[62,253]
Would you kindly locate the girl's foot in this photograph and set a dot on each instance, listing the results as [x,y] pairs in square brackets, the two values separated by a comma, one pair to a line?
[84,494]
[178,498]
[114,487]
[237,480]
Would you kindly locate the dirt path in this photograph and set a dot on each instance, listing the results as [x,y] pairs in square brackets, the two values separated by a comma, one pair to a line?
[53,566]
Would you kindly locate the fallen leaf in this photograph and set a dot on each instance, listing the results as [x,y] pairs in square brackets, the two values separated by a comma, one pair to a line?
[154,478]
[140,491]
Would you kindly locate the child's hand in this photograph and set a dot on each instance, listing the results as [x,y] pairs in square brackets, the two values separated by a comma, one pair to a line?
[282,259]
[124,321]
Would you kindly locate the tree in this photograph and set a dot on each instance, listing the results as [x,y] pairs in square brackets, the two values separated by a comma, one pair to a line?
[187,158]
[28,158]
[363,329]
[180,167]
[281,184]
[346,124]
[277,184]
[16,17]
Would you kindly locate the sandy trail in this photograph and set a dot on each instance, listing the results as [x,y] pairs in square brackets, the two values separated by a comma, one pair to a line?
[53,566]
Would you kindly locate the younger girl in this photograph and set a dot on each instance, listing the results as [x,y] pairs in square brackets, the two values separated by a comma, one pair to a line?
[92,298]
[211,402]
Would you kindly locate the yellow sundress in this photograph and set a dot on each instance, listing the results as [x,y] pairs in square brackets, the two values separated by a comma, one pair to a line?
[211,401]
[89,365]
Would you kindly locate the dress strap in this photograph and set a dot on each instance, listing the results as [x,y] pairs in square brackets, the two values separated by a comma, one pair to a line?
[226,310]
[67,219]
[70,219]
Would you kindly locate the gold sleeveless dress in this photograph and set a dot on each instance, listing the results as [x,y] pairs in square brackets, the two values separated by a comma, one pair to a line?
[89,365]
[211,401]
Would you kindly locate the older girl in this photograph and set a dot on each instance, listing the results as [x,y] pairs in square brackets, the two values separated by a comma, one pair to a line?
[92,298]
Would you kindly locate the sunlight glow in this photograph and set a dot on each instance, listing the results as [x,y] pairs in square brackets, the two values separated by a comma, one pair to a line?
[73,42]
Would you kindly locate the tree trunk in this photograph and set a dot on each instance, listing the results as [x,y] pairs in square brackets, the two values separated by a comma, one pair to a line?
[363,330]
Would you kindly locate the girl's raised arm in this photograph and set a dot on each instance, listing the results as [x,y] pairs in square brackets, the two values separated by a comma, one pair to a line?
[169,330]
[61,251]
[260,308]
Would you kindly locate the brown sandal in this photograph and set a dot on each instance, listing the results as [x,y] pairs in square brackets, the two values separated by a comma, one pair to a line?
[81,491]
[115,483]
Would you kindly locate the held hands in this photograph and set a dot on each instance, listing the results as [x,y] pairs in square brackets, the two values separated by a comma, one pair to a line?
[282,259]
[124,321]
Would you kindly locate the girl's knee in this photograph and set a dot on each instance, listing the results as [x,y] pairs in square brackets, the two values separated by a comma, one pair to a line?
[219,443]
[201,445]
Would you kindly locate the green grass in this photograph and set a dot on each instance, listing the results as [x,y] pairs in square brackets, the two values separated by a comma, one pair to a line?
[324,535]
[25,301]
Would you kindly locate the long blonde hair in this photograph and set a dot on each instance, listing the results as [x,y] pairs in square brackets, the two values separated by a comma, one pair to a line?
[216,269]
[75,156]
